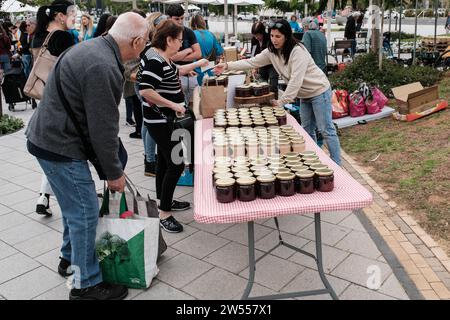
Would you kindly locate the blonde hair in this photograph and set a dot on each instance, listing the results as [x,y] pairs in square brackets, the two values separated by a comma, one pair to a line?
[89,30]
[152,17]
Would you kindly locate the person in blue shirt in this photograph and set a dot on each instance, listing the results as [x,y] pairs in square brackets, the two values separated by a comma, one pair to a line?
[211,49]
[294,25]
[87,28]
[75,34]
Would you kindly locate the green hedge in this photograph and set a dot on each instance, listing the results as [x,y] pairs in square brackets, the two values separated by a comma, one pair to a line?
[10,124]
[365,69]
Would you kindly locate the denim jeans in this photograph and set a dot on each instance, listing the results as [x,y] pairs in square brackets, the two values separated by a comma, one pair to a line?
[149,143]
[26,59]
[188,84]
[316,113]
[76,194]
[5,63]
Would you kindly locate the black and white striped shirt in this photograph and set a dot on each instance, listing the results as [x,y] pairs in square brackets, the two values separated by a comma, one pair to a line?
[155,73]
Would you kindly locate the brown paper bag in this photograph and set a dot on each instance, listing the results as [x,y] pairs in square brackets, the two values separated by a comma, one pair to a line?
[212,98]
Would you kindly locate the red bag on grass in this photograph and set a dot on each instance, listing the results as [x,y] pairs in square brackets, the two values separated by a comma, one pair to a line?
[357,106]
[379,97]
[339,103]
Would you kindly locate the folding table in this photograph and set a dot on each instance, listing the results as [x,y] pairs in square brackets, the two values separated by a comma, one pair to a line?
[348,194]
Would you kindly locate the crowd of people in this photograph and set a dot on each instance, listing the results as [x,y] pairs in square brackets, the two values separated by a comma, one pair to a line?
[154,62]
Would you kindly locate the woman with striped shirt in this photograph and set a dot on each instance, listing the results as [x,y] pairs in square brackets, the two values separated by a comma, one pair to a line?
[160,88]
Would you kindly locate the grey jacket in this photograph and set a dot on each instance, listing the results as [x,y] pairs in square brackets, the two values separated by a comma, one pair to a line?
[92,81]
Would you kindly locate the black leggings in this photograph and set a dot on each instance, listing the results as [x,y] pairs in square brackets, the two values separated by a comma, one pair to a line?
[137,110]
[167,172]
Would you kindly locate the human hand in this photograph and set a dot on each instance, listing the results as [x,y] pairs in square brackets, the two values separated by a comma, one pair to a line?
[179,108]
[275,103]
[117,185]
[221,67]
[193,74]
[202,63]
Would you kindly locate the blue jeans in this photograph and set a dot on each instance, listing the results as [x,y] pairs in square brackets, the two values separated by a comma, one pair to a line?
[5,63]
[149,143]
[76,194]
[316,112]
[26,59]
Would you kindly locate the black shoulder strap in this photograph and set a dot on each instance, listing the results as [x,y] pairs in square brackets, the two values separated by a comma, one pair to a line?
[87,145]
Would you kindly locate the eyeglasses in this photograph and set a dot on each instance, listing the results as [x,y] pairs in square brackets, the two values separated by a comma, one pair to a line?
[275,25]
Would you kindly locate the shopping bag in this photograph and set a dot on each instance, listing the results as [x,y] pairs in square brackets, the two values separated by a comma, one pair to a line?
[127,249]
[339,103]
[186,178]
[212,98]
[357,106]
[379,98]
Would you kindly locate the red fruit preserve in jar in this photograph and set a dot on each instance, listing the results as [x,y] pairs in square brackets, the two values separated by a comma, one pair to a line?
[325,180]
[225,190]
[246,189]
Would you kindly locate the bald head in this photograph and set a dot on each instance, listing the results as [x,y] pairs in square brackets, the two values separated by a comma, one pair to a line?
[129,26]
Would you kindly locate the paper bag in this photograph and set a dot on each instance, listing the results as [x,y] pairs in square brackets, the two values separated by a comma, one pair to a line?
[212,98]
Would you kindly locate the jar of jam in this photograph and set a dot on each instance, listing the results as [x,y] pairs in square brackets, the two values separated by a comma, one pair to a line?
[257,90]
[238,149]
[299,168]
[286,184]
[225,190]
[246,122]
[211,81]
[261,161]
[325,180]
[265,88]
[222,81]
[292,155]
[293,163]
[285,147]
[281,118]
[266,186]
[239,169]
[311,163]
[298,145]
[246,189]
[271,121]
[305,181]
[252,148]
[259,122]
[315,167]
[219,170]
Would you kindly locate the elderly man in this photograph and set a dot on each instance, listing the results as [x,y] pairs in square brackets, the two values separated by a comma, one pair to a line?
[350,30]
[316,43]
[91,78]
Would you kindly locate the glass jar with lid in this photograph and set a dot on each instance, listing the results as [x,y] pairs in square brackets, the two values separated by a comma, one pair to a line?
[246,189]
[286,184]
[220,149]
[325,180]
[225,190]
[238,175]
[222,175]
[266,186]
[305,181]
[298,145]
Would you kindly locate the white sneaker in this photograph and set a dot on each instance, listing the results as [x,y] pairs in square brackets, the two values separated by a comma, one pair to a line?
[42,206]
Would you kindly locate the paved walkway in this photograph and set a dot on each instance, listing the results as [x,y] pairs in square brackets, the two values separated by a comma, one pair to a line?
[211,261]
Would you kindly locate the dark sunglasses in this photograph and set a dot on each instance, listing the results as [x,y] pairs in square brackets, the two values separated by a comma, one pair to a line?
[275,25]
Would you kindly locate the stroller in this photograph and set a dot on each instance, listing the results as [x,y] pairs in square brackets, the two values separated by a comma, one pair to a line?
[13,84]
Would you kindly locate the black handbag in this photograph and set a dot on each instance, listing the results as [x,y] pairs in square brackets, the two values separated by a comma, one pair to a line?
[187,121]
[90,153]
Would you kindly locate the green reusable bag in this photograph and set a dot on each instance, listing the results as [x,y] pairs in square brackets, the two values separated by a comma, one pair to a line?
[127,249]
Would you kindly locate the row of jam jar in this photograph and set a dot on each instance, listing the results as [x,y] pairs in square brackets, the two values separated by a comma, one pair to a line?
[267,182]
[252,89]
[256,146]
[250,118]
[249,188]
[260,131]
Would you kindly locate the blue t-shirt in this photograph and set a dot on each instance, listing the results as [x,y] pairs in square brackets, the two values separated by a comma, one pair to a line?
[295,26]
[207,42]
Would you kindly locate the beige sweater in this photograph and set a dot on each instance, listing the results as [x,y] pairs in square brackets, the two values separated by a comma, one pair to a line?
[304,78]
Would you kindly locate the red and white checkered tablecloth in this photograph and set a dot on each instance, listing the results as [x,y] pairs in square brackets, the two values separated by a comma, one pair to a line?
[348,194]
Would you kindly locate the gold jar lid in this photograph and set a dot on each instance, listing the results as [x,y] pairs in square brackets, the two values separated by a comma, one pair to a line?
[245,181]
[292,158]
[238,175]
[299,167]
[311,162]
[316,167]
[227,182]
[285,176]
[310,158]
[260,128]
[324,172]
[256,158]
[276,167]
[258,168]
[281,170]
[297,141]
[255,109]
[277,163]
[262,173]
[284,142]
[246,122]
[262,162]
[224,175]
[291,155]
[266,178]
[304,174]
[286,127]
[271,121]
[241,159]
[308,153]
[222,159]
[293,163]
[217,170]
[236,169]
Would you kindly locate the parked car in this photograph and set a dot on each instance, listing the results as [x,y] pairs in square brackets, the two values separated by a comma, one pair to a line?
[247,16]
[394,15]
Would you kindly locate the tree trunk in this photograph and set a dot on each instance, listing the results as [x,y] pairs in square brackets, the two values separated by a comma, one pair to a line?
[376,25]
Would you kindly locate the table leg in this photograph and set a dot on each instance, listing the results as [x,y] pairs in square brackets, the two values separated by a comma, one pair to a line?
[317,258]
[318,232]
[251,260]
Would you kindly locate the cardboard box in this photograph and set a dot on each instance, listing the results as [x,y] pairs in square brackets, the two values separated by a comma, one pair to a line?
[230,54]
[414,97]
